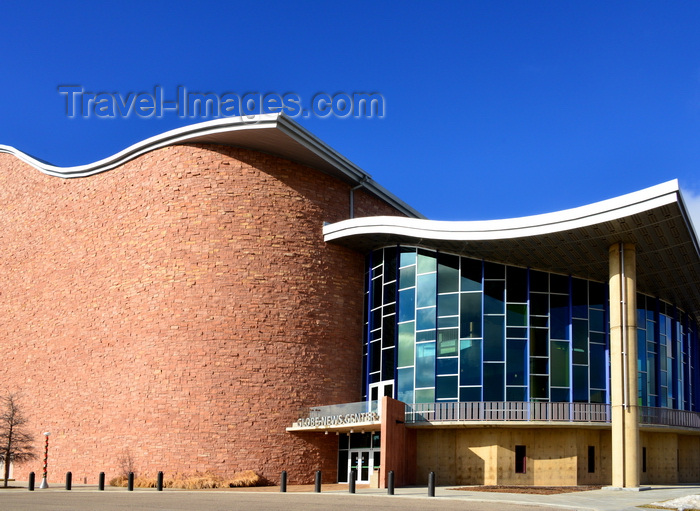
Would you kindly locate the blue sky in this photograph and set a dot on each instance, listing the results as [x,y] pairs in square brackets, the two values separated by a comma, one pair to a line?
[493,109]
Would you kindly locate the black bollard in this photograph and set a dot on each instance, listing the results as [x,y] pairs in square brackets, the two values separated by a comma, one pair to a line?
[353,478]
[317,482]
[101,482]
[131,482]
[30,487]
[283,482]
[159,484]
[390,488]
[431,484]
[69,480]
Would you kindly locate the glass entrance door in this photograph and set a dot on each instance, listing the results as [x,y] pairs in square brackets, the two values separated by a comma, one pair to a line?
[363,462]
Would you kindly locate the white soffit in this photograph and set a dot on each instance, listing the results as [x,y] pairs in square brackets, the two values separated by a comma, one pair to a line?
[571,242]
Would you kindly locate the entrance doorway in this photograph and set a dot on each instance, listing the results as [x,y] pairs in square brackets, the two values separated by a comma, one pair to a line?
[365,462]
[379,390]
[361,452]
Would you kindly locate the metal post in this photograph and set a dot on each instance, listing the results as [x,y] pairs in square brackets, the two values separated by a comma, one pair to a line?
[101,482]
[159,484]
[30,487]
[431,484]
[283,482]
[69,480]
[353,478]
[317,482]
[390,489]
[131,481]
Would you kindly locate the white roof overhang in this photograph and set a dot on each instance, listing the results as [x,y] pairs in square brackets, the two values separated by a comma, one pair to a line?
[268,133]
[572,242]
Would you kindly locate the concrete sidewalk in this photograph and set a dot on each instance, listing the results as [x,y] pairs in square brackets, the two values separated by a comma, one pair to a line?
[87,497]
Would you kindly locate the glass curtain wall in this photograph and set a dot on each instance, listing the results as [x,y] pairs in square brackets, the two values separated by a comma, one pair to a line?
[451,328]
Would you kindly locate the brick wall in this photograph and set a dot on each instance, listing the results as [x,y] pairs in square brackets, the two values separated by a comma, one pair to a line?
[182,309]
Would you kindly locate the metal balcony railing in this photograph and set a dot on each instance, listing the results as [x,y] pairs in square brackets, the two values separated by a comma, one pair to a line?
[498,411]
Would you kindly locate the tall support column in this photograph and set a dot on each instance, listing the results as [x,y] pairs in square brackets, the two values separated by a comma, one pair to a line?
[623,365]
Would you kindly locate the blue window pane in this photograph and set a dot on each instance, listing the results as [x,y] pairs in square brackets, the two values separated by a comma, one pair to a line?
[404,384]
[426,261]
[407,305]
[425,396]
[426,291]
[559,317]
[516,360]
[516,394]
[494,294]
[447,343]
[446,387]
[407,277]
[425,318]
[494,338]
[597,320]
[448,305]
[408,256]
[467,394]
[447,366]
[425,364]
[598,363]
[448,322]
[559,367]
[580,384]
[406,344]
[559,395]
[470,315]
[470,362]
[470,275]
[580,342]
[448,273]
[494,388]
[516,314]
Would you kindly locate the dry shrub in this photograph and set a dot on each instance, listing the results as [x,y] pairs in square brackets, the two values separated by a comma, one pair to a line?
[196,481]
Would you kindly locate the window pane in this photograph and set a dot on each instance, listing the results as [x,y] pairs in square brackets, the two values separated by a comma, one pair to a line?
[494,389]
[598,363]
[425,318]
[447,366]
[494,295]
[425,364]
[405,384]
[425,396]
[494,271]
[470,362]
[470,315]
[516,394]
[471,275]
[408,256]
[426,291]
[446,387]
[494,338]
[516,313]
[448,273]
[406,344]
[407,305]
[407,277]
[467,394]
[559,368]
[388,364]
[516,279]
[448,305]
[559,317]
[580,384]
[426,261]
[515,362]
[447,343]
[580,341]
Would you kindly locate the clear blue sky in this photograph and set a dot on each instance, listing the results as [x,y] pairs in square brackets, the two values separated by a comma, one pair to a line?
[494,109]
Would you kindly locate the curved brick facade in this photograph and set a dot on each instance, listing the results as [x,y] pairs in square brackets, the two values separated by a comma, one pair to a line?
[182,308]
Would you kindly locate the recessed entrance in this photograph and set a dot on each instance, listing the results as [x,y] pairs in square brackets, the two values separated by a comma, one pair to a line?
[359,451]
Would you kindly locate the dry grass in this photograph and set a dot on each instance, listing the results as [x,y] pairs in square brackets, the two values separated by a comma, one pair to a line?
[535,490]
[196,481]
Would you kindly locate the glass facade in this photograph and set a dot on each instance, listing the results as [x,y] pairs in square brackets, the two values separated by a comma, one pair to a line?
[442,327]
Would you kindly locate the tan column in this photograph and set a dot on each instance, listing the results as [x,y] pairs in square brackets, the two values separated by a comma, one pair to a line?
[623,365]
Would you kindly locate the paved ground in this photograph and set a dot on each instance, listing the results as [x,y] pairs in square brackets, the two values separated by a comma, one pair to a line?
[88,498]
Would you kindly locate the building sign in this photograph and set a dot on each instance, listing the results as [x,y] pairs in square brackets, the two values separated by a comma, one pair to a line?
[337,420]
